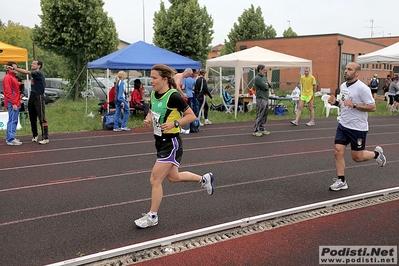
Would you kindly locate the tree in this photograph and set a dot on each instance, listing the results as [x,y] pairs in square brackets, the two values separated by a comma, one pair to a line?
[251,25]
[289,33]
[18,35]
[78,30]
[185,28]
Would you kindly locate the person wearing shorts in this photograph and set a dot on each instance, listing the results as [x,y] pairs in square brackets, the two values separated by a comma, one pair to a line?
[308,84]
[393,95]
[166,107]
[355,102]
[374,85]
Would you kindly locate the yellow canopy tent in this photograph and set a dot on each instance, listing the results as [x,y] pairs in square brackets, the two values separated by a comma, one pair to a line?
[12,53]
[16,54]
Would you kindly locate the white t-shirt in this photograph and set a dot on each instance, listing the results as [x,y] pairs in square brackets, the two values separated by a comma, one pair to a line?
[351,117]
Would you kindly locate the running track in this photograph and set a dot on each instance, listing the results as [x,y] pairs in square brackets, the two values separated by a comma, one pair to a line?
[80,194]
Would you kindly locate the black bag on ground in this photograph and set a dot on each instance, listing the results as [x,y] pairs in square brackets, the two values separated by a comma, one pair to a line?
[217,107]
[108,121]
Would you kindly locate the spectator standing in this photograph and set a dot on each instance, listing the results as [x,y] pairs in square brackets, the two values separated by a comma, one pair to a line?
[12,101]
[262,105]
[308,84]
[36,103]
[179,80]
[202,92]
[374,85]
[22,92]
[188,88]
[393,95]
[165,115]
[136,100]
[120,103]
[356,101]
[388,81]
[194,99]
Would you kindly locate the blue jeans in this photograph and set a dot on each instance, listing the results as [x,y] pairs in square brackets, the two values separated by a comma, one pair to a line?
[118,113]
[12,123]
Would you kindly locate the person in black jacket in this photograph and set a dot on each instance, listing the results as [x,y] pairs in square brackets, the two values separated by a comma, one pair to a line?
[201,92]
[36,103]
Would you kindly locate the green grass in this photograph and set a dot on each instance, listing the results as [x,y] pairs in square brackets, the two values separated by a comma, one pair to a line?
[70,116]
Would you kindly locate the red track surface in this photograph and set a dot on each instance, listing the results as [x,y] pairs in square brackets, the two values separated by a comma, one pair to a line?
[298,244]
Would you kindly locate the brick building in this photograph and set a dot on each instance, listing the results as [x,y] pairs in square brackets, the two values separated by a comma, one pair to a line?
[329,54]
[215,51]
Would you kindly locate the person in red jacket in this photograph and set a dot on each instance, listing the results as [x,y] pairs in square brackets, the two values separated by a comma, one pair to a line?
[136,100]
[110,100]
[12,101]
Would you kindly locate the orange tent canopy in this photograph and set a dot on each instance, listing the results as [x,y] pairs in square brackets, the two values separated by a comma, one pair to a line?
[12,53]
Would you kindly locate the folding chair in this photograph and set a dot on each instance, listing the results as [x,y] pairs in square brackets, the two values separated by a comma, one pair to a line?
[229,107]
[328,106]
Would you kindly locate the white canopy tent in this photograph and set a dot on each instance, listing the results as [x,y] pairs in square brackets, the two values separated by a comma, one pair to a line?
[251,58]
[389,55]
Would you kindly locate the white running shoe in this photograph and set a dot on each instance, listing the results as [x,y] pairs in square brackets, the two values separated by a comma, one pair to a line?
[146,221]
[294,122]
[338,185]
[310,123]
[34,139]
[207,183]
[44,141]
[185,131]
[14,142]
[207,122]
[381,160]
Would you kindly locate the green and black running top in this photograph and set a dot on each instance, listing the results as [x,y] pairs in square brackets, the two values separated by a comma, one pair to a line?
[166,107]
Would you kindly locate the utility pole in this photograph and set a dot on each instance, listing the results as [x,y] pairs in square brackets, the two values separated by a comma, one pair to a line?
[372,28]
[289,23]
[143,22]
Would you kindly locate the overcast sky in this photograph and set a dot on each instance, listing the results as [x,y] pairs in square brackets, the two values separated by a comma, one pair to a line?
[357,18]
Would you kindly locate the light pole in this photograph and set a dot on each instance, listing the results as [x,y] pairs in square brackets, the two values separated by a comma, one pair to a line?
[143,22]
[289,23]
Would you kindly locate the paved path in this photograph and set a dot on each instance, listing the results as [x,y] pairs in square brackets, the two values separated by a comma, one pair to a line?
[80,194]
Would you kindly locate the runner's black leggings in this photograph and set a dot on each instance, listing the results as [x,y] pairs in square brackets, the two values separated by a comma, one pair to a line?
[36,110]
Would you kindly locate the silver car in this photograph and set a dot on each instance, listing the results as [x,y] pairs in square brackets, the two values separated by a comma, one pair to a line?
[55,88]
[100,87]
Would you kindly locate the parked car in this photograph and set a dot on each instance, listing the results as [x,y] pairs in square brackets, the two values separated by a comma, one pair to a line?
[55,87]
[100,86]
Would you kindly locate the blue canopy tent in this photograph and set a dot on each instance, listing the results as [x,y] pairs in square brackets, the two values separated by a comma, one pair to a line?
[142,56]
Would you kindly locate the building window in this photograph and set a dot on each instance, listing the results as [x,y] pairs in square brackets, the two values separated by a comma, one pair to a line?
[346,59]
[243,47]
[387,66]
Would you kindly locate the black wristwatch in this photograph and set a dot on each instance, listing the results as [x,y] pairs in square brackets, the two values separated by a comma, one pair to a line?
[354,105]
[177,124]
